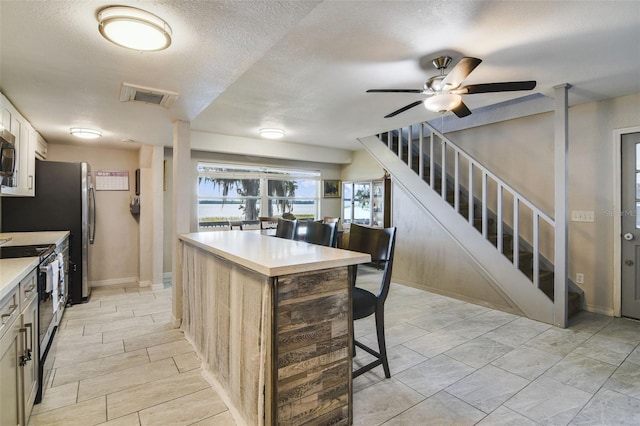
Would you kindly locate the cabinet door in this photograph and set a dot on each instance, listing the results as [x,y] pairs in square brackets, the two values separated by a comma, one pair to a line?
[362,203]
[30,350]
[10,372]
[347,203]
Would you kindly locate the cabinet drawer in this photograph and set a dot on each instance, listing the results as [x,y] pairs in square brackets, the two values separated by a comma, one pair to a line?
[9,310]
[28,288]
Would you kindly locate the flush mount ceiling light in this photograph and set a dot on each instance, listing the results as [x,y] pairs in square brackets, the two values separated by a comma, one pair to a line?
[134,28]
[272,133]
[85,133]
[442,102]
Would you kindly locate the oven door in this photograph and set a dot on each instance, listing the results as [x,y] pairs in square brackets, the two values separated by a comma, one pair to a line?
[47,318]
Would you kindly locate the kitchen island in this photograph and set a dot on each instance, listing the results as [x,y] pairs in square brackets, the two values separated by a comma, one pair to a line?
[271,320]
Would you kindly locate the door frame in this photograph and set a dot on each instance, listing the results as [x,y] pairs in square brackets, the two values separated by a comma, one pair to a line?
[617,221]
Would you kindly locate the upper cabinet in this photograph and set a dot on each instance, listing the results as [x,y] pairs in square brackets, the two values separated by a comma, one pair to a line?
[367,203]
[25,150]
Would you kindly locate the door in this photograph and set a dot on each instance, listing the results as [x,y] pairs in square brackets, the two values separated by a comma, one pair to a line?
[630,217]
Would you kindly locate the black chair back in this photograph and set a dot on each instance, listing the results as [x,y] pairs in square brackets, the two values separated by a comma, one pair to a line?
[380,244]
[286,228]
[323,234]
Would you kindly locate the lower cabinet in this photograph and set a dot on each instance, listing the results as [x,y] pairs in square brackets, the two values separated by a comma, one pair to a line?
[30,335]
[19,353]
[11,411]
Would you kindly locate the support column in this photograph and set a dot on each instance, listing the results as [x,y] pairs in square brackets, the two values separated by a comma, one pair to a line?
[561,234]
[181,207]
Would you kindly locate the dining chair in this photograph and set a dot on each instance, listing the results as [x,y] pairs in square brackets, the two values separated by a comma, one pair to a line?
[323,234]
[331,219]
[380,244]
[268,222]
[286,228]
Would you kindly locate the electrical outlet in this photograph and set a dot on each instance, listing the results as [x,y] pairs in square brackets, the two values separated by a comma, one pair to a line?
[579,278]
[583,216]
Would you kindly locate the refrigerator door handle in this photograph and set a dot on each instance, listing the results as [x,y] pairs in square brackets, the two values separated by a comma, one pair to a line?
[93,210]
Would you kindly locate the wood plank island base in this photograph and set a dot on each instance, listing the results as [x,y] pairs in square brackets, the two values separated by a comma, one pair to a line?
[271,320]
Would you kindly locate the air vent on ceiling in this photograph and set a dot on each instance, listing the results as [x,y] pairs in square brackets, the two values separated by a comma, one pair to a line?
[147,95]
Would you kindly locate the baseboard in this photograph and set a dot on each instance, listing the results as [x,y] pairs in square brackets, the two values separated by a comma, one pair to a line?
[599,310]
[115,282]
[167,276]
[157,286]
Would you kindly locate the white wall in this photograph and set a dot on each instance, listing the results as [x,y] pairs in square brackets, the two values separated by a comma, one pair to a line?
[114,258]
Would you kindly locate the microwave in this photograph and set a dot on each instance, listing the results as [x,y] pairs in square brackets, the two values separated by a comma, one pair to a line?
[7,158]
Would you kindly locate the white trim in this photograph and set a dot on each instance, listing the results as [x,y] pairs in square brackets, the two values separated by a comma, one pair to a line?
[617,222]
[145,283]
[600,310]
[115,281]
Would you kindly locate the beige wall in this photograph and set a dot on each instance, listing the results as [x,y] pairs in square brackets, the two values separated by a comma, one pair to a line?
[522,151]
[114,258]
[363,167]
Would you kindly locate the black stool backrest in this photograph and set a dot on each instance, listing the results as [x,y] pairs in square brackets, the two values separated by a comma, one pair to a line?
[323,234]
[286,228]
[380,244]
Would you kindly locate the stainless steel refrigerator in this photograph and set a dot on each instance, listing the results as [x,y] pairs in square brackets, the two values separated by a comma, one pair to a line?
[64,201]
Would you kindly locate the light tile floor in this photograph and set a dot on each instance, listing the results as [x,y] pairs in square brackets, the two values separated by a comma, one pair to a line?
[452,363]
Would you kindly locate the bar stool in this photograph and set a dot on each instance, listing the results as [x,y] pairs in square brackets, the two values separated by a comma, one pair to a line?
[380,244]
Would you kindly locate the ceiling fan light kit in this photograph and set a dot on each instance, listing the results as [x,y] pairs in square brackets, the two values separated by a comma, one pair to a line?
[444,91]
[442,102]
[134,28]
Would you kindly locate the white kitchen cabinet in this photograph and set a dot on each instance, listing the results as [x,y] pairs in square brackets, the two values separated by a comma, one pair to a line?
[26,141]
[11,405]
[30,334]
[18,352]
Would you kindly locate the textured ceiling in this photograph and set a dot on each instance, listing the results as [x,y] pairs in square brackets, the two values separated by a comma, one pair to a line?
[302,65]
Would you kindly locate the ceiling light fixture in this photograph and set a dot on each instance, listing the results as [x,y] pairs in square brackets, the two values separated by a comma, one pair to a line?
[272,133]
[134,28]
[85,133]
[442,102]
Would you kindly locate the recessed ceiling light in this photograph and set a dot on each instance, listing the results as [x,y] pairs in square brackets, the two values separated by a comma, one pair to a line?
[134,28]
[272,133]
[85,133]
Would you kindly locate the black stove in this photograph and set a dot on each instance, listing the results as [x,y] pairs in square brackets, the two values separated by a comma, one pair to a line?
[40,251]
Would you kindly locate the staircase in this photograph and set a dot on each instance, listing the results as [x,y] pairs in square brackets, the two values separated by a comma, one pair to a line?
[425,162]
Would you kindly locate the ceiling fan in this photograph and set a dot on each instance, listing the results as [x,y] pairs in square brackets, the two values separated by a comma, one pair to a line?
[444,91]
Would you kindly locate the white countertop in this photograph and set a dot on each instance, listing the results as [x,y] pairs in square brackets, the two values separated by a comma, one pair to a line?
[272,256]
[34,238]
[12,271]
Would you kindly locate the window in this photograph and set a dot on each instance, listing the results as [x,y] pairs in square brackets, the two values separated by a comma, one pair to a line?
[235,192]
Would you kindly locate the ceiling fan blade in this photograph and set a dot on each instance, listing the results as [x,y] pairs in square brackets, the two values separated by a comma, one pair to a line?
[461,110]
[456,76]
[403,109]
[394,91]
[510,86]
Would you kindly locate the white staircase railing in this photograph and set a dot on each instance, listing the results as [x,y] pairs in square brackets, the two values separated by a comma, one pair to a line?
[496,198]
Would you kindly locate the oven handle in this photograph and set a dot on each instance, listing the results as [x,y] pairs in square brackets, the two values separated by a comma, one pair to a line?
[47,261]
